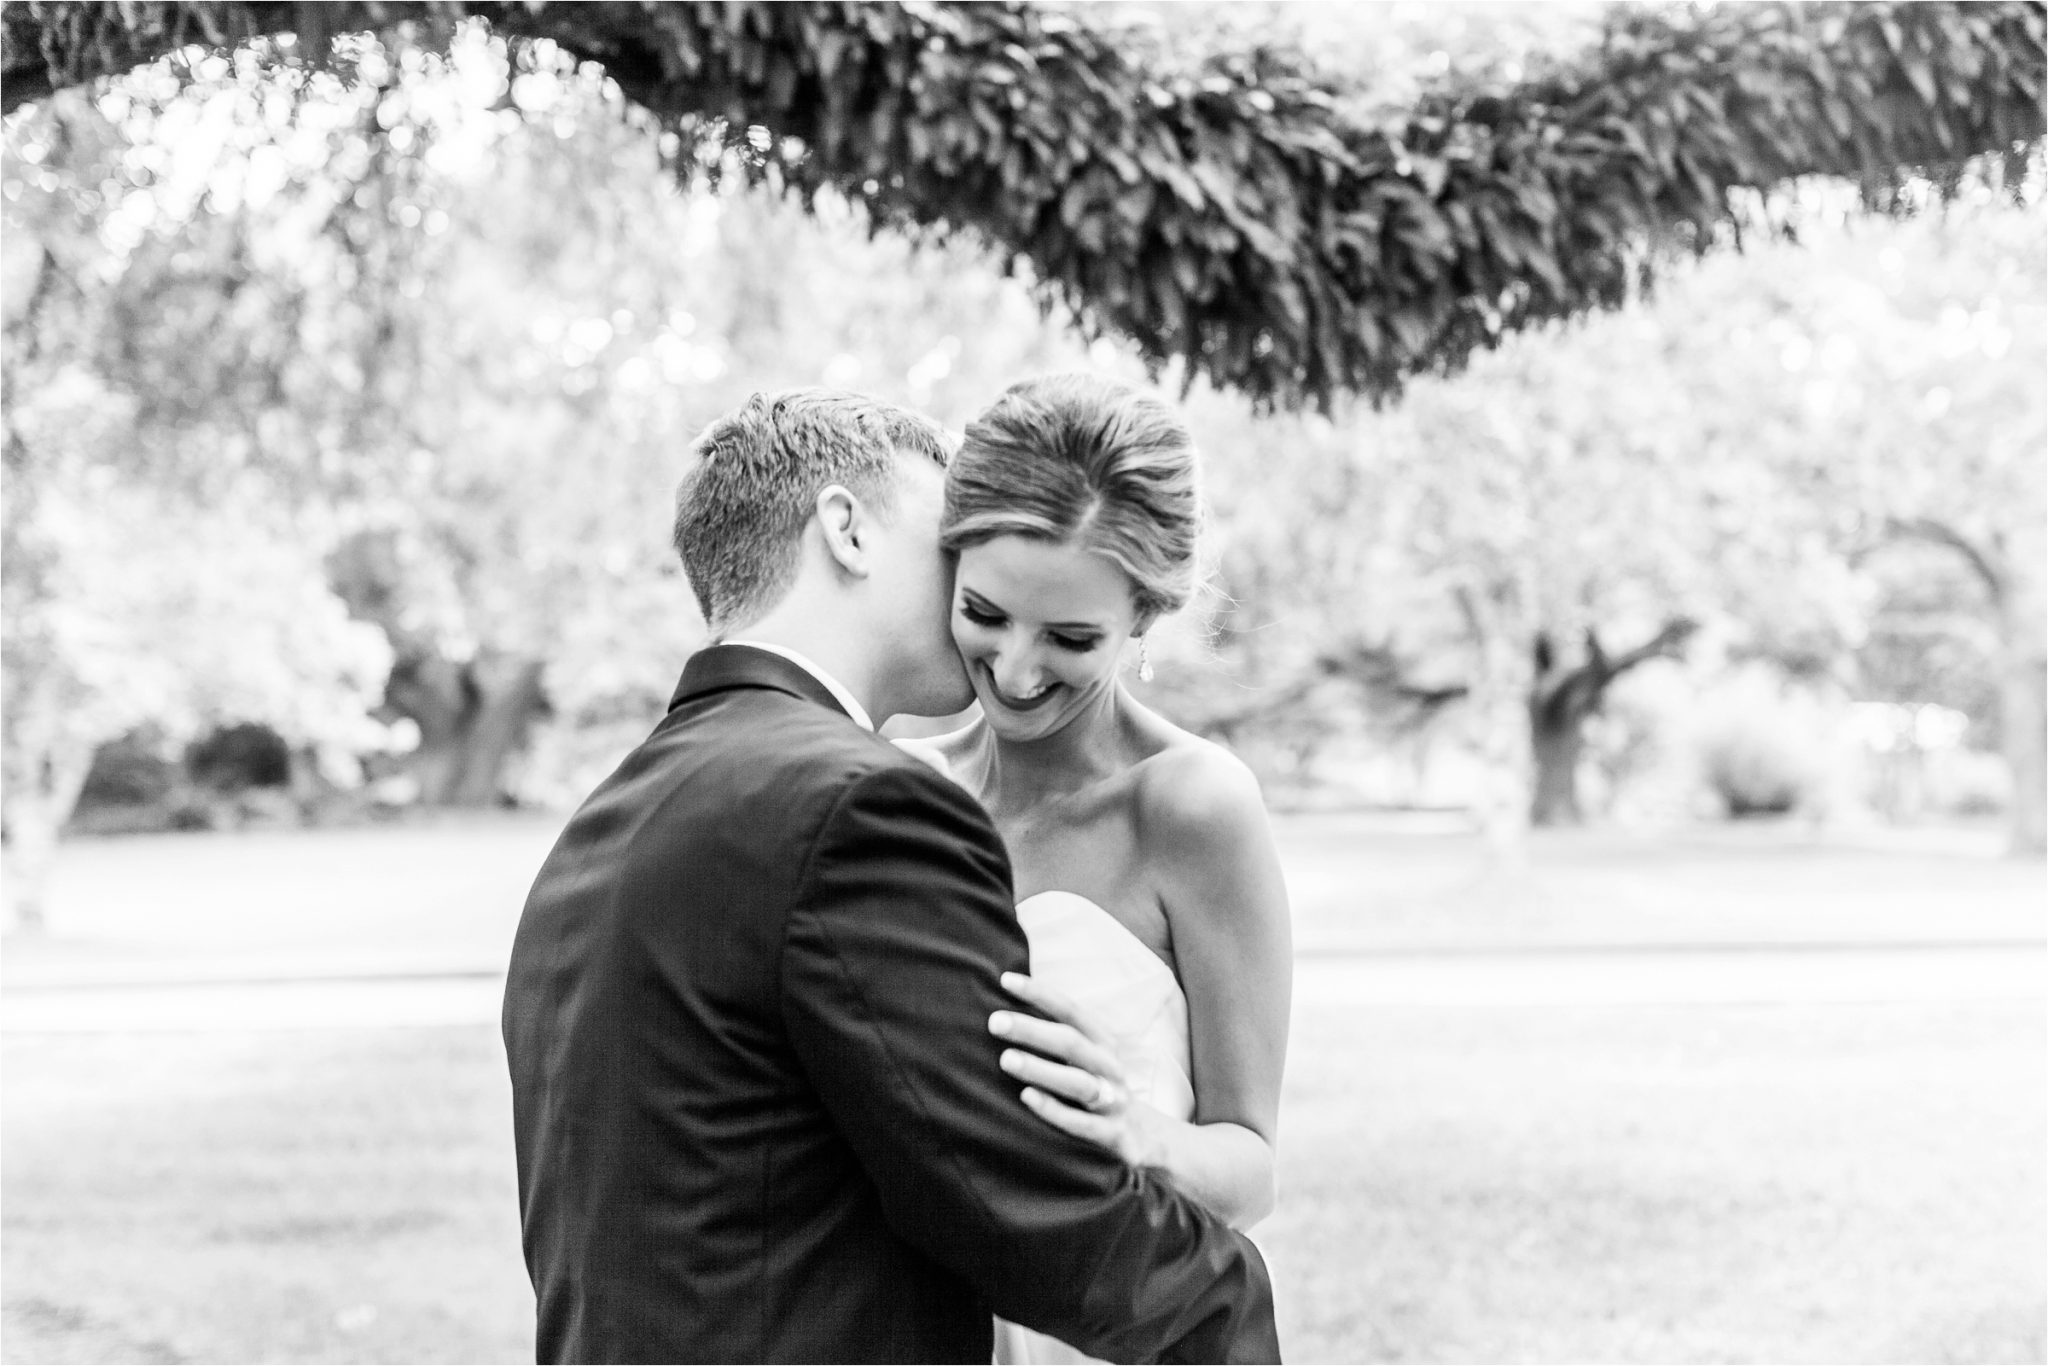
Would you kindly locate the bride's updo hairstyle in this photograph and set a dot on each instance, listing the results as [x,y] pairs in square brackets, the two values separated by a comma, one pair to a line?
[1076,459]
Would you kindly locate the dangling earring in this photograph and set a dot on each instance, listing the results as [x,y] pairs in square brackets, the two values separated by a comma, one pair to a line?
[1144,660]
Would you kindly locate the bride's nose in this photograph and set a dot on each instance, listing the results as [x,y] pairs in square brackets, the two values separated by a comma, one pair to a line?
[1016,672]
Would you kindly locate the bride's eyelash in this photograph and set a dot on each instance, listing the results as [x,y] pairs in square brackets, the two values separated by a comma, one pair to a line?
[981,616]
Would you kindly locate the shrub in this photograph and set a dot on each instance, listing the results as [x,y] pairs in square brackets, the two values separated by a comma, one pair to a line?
[1967,782]
[235,758]
[1761,752]
[129,772]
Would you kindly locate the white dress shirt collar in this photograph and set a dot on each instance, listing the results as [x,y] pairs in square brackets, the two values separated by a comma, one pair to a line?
[832,685]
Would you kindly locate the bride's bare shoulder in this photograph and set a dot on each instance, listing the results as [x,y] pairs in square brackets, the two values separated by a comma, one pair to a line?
[1206,839]
[1192,791]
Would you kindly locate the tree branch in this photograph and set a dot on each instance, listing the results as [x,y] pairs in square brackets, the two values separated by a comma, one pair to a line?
[1667,643]
[1566,695]
[1232,215]
[1934,531]
[1374,669]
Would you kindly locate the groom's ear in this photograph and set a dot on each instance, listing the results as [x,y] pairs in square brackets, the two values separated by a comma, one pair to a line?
[844,524]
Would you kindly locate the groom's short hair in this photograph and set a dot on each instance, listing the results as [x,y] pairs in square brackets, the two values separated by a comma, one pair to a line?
[753,483]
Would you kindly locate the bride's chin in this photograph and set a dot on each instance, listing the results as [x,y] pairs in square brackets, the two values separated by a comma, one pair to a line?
[1012,727]
[1020,727]
[1016,725]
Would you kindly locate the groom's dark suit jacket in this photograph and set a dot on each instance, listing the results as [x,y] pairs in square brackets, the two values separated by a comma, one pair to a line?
[757,1106]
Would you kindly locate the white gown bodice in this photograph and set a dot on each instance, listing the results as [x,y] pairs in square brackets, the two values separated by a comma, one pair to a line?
[1086,954]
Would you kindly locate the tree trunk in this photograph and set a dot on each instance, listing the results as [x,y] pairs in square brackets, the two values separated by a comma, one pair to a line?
[1561,698]
[42,788]
[473,718]
[2023,711]
[1556,742]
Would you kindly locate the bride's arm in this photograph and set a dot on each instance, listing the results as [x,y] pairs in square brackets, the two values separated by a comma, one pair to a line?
[1226,902]
[1078,1085]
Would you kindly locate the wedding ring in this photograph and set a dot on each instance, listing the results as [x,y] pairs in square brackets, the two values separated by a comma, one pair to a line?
[1105,1094]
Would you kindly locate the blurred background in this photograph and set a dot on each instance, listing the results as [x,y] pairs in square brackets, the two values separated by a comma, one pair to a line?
[1651,709]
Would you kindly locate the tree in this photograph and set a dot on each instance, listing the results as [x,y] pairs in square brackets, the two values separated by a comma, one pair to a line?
[1931,636]
[306,293]
[1563,696]
[135,593]
[1941,418]
[481,473]
[1726,453]
[1582,527]
[1239,215]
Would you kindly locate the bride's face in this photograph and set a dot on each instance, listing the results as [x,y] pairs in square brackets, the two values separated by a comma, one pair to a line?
[1041,628]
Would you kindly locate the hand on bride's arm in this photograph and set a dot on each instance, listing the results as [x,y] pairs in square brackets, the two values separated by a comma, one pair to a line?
[1072,1077]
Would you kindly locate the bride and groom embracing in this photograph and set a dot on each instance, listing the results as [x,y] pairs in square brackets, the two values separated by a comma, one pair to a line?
[830,1049]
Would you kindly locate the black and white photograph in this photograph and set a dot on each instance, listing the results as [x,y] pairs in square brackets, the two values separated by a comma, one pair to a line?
[1024,681]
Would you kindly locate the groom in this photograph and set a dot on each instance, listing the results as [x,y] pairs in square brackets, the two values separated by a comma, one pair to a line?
[757,1106]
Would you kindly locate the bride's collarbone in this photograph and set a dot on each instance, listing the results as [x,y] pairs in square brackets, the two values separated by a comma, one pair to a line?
[1097,841]
[1110,801]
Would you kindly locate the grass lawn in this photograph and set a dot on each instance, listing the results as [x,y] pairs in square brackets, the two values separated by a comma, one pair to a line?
[1811,1183]
[1732,1183]
[343,1196]
[446,896]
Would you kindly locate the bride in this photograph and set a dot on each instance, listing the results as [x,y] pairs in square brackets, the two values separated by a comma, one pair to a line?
[1147,879]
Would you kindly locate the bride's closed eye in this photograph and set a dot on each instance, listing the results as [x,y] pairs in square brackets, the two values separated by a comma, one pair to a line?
[980,617]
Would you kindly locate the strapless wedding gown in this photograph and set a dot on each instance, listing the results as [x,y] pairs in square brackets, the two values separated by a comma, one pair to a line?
[1083,951]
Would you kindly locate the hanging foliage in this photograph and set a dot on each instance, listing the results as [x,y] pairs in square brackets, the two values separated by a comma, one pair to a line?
[1238,215]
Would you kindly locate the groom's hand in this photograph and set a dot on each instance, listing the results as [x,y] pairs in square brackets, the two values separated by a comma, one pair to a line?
[1078,1086]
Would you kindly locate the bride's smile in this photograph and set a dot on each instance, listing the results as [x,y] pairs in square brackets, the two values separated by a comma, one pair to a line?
[1009,703]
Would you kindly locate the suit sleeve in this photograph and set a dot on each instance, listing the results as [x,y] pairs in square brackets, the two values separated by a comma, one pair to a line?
[889,974]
